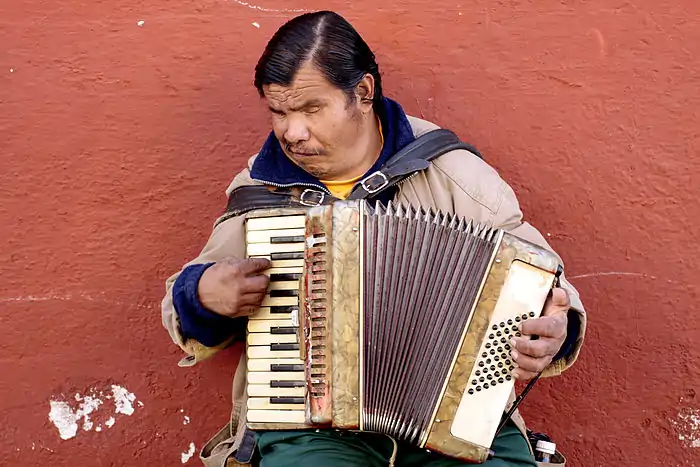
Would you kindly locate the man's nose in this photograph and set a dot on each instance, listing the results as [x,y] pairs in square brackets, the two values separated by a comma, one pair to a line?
[297,131]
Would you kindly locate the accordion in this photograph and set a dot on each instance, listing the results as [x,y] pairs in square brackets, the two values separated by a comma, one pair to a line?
[389,319]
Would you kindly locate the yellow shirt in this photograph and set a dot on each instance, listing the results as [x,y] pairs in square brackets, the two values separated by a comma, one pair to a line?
[341,188]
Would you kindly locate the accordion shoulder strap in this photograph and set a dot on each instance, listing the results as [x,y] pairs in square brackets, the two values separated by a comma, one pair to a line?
[413,158]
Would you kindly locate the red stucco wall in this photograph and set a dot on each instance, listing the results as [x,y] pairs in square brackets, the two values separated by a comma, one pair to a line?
[117,141]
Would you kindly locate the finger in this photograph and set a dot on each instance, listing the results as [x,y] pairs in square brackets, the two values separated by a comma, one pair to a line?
[255,284]
[557,301]
[531,364]
[247,310]
[523,375]
[534,348]
[547,326]
[253,265]
[252,299]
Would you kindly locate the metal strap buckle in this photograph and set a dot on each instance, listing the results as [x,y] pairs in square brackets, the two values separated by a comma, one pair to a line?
[315,198]
[375,182]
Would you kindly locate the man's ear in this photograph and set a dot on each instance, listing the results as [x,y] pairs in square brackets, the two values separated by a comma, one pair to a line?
[364,91]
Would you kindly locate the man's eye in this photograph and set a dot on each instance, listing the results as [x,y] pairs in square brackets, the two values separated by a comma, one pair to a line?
[312,110]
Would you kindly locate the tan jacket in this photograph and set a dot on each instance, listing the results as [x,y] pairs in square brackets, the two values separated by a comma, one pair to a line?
[456,182]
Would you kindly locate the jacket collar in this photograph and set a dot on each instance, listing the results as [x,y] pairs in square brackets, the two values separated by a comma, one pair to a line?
[273,167]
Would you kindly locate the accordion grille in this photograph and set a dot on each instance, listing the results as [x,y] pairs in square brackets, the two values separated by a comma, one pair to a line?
[422,273]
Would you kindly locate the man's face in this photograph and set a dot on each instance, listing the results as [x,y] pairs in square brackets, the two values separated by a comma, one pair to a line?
[316,123]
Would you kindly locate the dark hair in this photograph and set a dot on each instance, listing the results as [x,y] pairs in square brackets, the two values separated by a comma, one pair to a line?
[331,43]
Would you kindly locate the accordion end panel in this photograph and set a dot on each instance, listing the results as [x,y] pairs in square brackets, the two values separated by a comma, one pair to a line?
[478,388]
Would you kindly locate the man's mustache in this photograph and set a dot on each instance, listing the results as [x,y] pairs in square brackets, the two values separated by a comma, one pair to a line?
[304,150]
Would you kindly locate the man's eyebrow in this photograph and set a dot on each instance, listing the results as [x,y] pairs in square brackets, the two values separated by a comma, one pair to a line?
[309,103]
[302,106]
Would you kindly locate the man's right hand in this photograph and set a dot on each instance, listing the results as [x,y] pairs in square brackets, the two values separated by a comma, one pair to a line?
[234,287]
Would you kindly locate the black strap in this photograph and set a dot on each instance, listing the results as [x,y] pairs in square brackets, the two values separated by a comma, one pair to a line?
[413,158]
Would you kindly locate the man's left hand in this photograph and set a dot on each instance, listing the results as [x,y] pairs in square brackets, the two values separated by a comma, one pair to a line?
[533,356]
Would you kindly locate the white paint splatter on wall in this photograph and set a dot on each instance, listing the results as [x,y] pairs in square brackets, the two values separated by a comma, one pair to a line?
[140,23]
[68,415]
[687,425]
[123,400]
[275,10]
[63,417]
[187,455]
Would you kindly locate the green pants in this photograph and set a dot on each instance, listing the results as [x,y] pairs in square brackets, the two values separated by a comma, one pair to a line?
[350,449]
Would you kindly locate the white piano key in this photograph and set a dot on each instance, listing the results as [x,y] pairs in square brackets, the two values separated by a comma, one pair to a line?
[263,338]
[280,301]
[284,285]
[264,377]
[281,263]
[264,249]
[283,271]
[264,351]
[264,236]
[264,390]
[266,313]
[265,364]
[263,403]
[264,325]
[276,416]
[273,223]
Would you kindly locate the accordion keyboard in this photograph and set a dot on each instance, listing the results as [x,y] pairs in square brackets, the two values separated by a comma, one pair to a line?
[276,383]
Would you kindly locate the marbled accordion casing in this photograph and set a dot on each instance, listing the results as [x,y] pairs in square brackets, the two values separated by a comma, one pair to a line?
[393,320]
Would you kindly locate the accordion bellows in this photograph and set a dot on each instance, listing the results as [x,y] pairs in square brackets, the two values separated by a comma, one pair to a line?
[392,320]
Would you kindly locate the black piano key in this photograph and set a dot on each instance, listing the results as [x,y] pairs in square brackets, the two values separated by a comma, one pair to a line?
[297,239]
[290,255]
[285,346]
[286,367]
[285,277]
[287,400]
[283,309]
[284,293]
[287,384]
[283,330]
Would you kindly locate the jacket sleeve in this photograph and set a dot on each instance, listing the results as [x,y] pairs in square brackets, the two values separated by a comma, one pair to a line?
[509,217]
[199,332]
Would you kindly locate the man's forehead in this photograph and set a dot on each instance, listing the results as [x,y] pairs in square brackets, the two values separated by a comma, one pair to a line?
[308,85]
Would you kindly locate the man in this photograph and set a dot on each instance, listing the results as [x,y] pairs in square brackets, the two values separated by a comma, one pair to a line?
[332,129]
